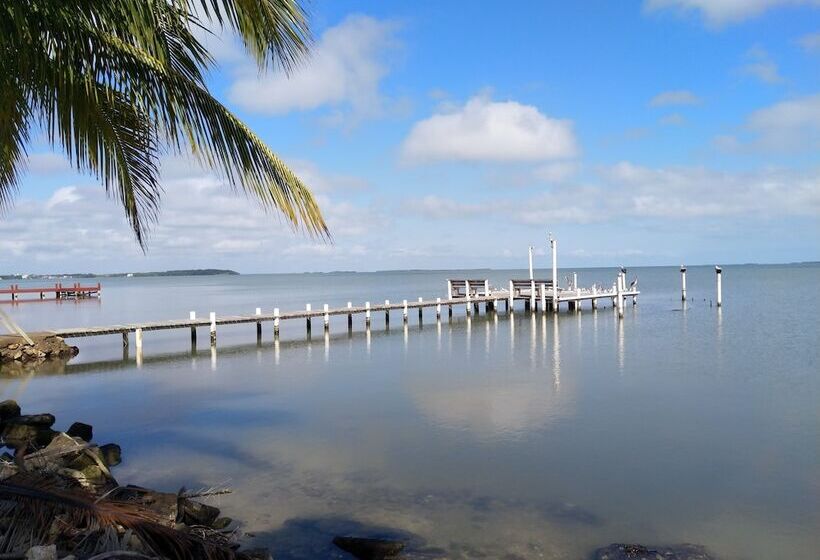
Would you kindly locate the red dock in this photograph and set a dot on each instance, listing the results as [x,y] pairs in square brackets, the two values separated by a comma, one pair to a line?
[60,292]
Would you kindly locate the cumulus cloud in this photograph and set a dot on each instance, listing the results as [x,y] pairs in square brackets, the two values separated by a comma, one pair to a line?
[674,97]
[672,119]
[201,220]
[345,69]
[760,65]
[630,191]
[788,125]
[810,42]
[486,130]
[721,12]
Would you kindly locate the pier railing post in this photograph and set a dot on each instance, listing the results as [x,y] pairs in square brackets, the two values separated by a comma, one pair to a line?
[511,300]
[192,317]
[307,319]
[138,339]
[719,274]
[387,313]
[438,308]
[467,295]
[349,316]
[543,298]
[449,289]
[421,302]
[594,296]
[276,322]
[532,295]
[404,312]
[213,328]
[327,318]
[367,314]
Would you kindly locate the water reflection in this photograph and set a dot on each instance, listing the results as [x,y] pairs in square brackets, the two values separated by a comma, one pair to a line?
[556,354]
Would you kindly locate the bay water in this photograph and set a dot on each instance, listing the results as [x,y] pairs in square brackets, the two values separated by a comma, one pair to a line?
[493,436]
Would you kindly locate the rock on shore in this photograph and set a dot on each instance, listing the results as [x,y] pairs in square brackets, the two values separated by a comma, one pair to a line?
[14,348]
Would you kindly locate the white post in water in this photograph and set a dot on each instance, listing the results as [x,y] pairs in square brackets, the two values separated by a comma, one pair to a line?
[258,324]
[327,318]
[387,313]
[367,314]
[307,319]
[577,291]
[543,298]
[719,274]
[511,301]
[449,289]
[682,283]
[554,250]
[619,295]
[404,311]
[530,254]
[276,322]
[138,339]
[192,317]
[594,296]
[349,316]
[467,295]
[438,308]
[532,293]
[213,328]
[421,301]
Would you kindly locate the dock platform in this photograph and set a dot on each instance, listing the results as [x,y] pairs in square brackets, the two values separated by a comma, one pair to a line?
[59,291]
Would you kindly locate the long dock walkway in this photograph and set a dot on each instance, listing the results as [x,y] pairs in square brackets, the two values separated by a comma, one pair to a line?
[60,292]
[491,302]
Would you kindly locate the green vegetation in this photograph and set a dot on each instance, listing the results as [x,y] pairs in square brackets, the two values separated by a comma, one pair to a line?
[116,84]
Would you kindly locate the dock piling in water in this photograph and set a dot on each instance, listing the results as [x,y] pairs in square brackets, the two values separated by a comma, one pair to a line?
[387,313]
[276,323]
[213,328]
[367,314]
[421,301]
[326,318]
[682,283]
[192,317]
[349,316]
[259,325]
[719,274]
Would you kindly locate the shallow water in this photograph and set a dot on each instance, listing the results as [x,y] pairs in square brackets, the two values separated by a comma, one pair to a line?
[482,437]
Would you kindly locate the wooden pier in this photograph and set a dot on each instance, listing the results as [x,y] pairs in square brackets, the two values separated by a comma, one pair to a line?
[491,300]
[75,291]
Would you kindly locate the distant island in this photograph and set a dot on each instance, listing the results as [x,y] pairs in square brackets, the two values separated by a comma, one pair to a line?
[191,272]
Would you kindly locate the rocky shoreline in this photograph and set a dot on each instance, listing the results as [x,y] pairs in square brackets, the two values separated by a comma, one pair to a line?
[46,346]
[59,500]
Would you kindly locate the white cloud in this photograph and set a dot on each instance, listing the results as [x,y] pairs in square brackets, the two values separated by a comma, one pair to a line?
[345,69]
[556,172]
[761,66]
[630,191]
[202,223]
[722,12]
[48,163]
[485,130]
[810,42]
[788,125]
[672,119]
[674,97]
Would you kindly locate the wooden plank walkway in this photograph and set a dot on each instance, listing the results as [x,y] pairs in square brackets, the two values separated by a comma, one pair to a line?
[491,301]
[76,290]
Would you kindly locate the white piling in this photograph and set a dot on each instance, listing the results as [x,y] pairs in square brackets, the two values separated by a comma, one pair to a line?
[511,300]
[530,255]
[192,317]
[327,318]
[449,289]
[619,295]
[554,248]
[307,319]
[367,314]
[213,328]
[438,308]
[276,323]
[594,296]
[387,313]
[404,312]
[543,298]
[138,339]
[349,316]
[682,283]
[258,324]
[719,274]
[467,295]
[421,302]
[532,291]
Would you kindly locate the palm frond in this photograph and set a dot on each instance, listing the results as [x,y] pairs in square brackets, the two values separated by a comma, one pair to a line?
[38,501]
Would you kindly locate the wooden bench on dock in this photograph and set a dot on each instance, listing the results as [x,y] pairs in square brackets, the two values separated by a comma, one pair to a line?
[531,291]
[464,288]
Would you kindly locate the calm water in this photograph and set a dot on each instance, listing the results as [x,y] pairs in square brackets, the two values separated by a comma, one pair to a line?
[490,437]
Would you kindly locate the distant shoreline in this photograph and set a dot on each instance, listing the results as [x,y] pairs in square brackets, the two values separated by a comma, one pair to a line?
[190,272]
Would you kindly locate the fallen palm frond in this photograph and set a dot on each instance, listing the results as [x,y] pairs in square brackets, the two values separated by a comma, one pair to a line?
[42,512]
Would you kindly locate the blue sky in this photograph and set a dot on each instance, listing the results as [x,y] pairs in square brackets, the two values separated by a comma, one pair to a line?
[455,134]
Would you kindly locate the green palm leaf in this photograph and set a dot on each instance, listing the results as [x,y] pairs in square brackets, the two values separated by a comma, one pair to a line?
[115,84]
